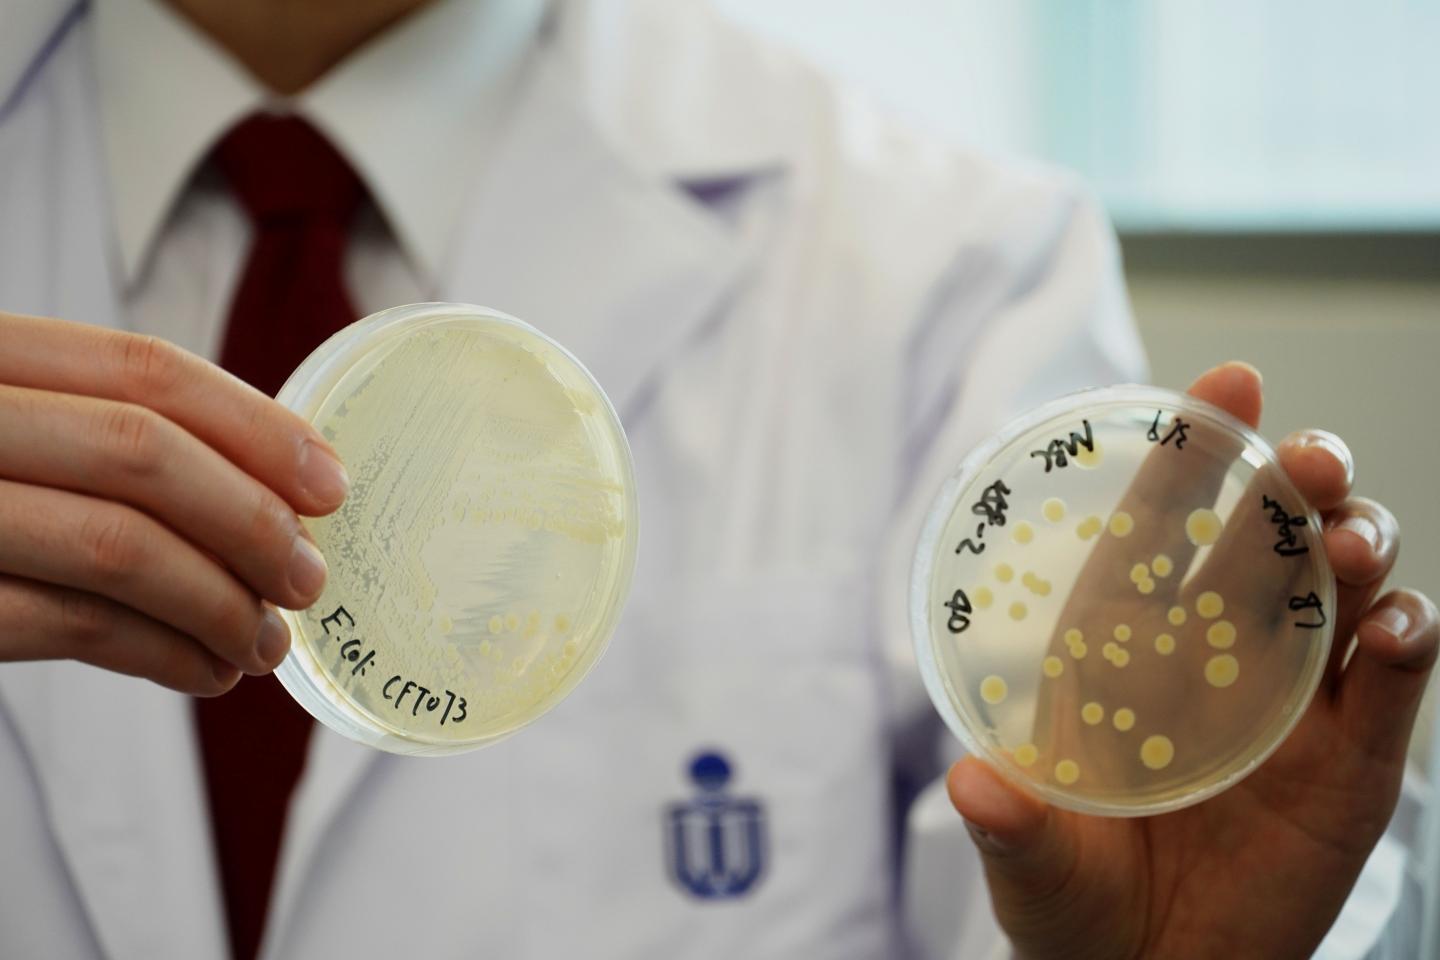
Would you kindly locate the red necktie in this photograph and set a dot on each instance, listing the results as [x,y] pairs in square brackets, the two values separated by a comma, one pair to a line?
[300,196]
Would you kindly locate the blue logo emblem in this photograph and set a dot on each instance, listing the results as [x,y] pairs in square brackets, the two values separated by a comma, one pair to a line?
[715,842]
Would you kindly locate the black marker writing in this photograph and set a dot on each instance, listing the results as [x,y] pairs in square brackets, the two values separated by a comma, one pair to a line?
[1286,545]
[959,607]
[1177,432]
[430,701]
[1057,450]
[992,506]
[1309,602]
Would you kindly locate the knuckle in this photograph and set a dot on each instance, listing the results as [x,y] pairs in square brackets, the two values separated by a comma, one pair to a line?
[113,544]
[187,669]
[149,366]
[272,522]
[85,619]
[233,624]
[132,437]
[257,425]
[213,686]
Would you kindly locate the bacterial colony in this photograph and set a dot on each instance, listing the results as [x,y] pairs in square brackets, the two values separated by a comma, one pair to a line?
[1126,603]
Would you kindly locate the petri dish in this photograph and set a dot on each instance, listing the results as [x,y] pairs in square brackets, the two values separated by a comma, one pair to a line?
[1121,601]
[484,554]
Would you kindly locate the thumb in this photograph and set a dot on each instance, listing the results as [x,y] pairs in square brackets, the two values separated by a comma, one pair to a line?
[1028,851]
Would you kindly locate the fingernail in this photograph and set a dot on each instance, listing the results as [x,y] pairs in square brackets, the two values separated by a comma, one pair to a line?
[307,569]
[322,476]
[1393,621]
[1329,442]
[274,639]
[1363,528]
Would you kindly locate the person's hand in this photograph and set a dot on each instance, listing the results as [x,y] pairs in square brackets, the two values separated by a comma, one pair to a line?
[148,508]
[1262,869]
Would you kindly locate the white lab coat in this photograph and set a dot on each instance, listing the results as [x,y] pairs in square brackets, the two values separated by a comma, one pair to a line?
[804,317]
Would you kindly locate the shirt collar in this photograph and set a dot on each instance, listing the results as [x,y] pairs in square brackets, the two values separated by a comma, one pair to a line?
[411,111]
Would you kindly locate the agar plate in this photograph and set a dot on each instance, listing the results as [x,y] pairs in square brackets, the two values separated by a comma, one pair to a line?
[1122,601]
[481,561]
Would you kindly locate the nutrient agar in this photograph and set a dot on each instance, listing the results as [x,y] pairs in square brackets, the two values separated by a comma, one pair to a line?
[1208,639]
[491,498]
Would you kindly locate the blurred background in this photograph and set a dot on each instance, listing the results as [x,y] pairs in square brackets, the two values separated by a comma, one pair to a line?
[1272,166]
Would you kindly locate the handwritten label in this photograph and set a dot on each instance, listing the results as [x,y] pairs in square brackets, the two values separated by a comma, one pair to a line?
[351,650]
[353,653]
[1309,602]
[1176,431]
[424,697]
[960,610]
[992,506]
[1058,451]
[1285,525]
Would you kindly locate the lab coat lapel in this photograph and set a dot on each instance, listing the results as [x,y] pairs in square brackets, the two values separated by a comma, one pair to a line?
[567,233]
[114,757]
[115,761]
[334,770]
[55,253]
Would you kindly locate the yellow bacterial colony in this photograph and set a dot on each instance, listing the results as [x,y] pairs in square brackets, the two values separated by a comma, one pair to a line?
[1203,527]
[1221,635]
[1157,751]
[1209,604]
[483,551]
[1222,671]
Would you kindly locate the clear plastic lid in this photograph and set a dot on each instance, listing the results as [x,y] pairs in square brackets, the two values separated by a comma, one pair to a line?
[484,554]
[1122,601]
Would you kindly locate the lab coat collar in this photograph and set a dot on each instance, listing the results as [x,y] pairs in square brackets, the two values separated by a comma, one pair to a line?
[32,29]
[617,264]
[647,68]
[390,107]
[625,57]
